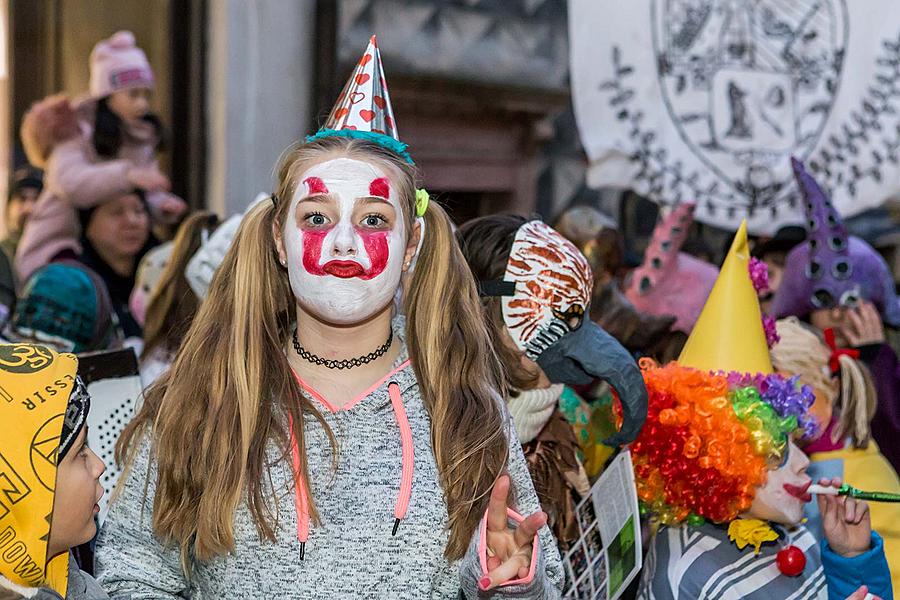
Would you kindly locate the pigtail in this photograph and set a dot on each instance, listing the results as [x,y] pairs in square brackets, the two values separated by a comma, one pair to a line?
[858,402]
[214,412]
[459,376]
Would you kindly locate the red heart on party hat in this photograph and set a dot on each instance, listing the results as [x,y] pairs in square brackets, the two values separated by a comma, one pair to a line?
[367,115]
[362,78]
[365,60]
[356,97]
[341,113]
[379,101]
[389,122]
[349,126]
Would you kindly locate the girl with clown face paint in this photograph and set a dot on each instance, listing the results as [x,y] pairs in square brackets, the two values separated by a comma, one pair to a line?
[312,440]
[344,241]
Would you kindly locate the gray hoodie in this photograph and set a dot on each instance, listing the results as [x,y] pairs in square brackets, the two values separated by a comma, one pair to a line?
[81,586]
[353,554]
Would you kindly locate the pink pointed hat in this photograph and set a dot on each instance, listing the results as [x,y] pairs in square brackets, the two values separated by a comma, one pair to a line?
[670,282]
[363,108]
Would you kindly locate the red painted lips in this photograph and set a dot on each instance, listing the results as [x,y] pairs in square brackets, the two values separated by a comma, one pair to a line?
[799,492]
[345,269]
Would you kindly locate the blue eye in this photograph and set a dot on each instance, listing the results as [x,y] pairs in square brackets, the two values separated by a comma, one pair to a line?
[316,219]
[374,221]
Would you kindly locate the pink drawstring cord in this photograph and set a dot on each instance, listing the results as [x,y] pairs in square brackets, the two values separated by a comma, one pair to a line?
[408,457]
[301,494]
[301,497]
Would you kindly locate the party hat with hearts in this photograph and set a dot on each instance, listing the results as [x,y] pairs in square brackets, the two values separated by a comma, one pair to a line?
[363,109]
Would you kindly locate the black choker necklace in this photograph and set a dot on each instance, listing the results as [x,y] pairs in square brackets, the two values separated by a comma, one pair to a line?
[347,363]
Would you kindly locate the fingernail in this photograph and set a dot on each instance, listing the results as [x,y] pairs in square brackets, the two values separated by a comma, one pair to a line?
[484,583]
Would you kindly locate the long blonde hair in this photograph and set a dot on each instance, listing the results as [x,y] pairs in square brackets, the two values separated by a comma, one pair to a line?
[801,351]
[224,399]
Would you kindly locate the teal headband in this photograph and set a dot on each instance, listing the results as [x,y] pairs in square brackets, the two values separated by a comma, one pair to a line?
[385,141]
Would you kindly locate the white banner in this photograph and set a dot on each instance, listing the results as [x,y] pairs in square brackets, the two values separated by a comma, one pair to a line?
[706,100]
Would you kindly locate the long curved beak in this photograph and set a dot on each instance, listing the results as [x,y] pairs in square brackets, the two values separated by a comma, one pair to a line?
[588,353]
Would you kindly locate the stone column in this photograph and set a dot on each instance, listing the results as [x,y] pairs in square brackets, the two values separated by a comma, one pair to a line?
[259,93]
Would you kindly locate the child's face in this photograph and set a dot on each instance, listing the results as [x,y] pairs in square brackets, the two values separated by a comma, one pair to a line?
[131,104]
[781,498]
[345,241]
[78,491]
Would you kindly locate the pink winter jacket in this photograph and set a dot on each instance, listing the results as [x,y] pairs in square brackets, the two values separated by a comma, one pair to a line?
[75,177]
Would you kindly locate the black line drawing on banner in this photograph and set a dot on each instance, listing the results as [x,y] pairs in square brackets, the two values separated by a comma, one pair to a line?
[747,84]
[875,123]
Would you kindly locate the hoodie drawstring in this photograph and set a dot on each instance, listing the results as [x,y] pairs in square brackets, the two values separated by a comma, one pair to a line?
[301,497]
[408,458]
[301,494]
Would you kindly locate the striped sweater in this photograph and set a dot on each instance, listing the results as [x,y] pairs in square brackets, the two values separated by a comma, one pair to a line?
[353,553]
[688,563]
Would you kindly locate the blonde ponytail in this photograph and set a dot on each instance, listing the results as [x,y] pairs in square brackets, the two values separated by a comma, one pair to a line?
[802,351]
[459,376]
[211,415]
[858,403]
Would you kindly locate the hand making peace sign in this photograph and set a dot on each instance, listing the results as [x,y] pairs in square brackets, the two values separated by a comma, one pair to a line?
[509,550]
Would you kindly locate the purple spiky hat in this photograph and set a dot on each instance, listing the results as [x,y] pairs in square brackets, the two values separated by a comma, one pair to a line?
[832,268]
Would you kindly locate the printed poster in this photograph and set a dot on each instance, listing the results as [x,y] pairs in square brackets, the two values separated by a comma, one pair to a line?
[607,555]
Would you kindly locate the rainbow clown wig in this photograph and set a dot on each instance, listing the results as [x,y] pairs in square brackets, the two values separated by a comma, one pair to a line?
[719,418]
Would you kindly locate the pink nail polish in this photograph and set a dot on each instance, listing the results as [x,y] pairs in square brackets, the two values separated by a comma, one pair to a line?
[484,583]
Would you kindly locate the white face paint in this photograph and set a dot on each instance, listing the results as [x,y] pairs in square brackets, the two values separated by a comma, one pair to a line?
[345,241]
[782,497]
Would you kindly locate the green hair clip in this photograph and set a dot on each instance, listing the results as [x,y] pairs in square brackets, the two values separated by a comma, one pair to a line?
[422,199]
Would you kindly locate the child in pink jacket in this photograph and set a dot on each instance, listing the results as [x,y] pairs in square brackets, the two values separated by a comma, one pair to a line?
[94,151]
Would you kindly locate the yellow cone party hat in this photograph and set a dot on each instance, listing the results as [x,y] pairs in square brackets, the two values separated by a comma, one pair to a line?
[364,104]
[729,335]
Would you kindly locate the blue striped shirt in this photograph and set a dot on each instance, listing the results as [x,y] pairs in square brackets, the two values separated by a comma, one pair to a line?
[687,563]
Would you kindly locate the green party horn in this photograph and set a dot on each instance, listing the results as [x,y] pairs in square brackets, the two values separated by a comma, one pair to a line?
[849,490]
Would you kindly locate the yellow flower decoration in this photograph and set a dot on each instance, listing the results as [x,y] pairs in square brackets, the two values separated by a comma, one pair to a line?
[752,532]
[422,199]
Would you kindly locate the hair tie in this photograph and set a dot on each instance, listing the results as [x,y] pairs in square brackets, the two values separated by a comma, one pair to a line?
[834,361]
[422,199]
[274,200]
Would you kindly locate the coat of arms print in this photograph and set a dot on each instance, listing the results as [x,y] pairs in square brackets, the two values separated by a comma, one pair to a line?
[706,100]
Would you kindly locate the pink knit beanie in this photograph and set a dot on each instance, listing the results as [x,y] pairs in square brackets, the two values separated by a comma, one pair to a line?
[117,64]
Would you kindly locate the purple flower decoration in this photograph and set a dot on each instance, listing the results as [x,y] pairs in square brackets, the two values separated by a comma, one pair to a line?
[788,398]
[759,275]
[785,396]
[771,330]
